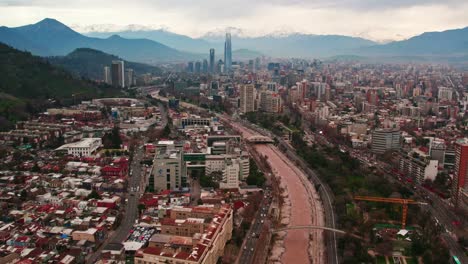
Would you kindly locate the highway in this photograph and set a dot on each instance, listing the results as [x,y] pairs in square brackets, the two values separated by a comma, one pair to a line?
[249,246]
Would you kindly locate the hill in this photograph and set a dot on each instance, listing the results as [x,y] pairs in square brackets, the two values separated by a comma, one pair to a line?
[28,82]
[49,37]
[89,63]
[176,41]
[446,43]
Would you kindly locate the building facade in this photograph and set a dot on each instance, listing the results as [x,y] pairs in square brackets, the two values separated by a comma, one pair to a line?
[385,139]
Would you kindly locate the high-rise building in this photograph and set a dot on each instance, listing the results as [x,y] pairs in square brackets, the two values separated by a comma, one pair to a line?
[247,98]
[107,75]
[118,73]
[190,66]
[271,86]
[385,139]
[460,177]
[212,61]
[270,102]
[197,67]
[129,77]
[205,66]
[227,53]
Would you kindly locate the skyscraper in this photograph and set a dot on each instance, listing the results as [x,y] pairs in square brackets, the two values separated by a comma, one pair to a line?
[129,77]
[118,73]
[205,66]
[197,67]
[460,177]
[212,61]
[227,53]
[190,66]
[107,75]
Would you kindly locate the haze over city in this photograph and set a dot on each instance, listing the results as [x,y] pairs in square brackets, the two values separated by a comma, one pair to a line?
[381,21]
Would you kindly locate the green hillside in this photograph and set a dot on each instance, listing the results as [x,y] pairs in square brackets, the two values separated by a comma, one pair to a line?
[28,84]
[89,63]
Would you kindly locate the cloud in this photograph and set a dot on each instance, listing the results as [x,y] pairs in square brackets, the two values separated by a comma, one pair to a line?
[374,19]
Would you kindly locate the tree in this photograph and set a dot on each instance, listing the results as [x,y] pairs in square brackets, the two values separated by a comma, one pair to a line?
[94,195]
[141,207]
[115,137]
[166,132]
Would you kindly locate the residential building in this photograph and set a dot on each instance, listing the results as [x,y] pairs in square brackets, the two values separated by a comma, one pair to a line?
[270,102]
[247,98]
[205,247]
[107,75]
[418,166]
[460,177]
[118,73]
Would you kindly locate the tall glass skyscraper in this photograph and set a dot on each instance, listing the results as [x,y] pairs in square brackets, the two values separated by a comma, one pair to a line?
[212,61]
[227,53]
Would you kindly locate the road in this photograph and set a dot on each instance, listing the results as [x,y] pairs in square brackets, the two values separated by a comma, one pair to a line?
[250,242]
[131,207]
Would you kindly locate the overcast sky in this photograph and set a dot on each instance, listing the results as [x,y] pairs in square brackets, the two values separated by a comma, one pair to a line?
[374,19]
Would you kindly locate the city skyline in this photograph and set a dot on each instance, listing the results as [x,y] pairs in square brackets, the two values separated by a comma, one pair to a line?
[382,21]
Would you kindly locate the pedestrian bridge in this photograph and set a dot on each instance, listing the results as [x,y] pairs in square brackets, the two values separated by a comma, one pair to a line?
[259,139]
[314,227]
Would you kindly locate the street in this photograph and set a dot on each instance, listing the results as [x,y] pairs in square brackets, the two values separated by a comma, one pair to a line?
[131,207]
[250,241]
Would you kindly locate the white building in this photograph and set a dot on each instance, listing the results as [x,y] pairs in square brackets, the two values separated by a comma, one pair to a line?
[82,148]
[230,175]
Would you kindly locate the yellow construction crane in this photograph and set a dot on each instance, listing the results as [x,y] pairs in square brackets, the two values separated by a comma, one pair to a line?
[403,202]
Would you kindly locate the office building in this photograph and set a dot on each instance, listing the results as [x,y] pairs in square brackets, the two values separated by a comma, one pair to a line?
[385,139]
[205,66]
[197,67]
[107,75]
[118,73]
[460,177]
[212,61]
[83,148]
[227,53]
[168,171]
[247,98]
[190,66]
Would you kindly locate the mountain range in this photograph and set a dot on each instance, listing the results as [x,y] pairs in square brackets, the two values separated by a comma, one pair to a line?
[49,37]
[89,63]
